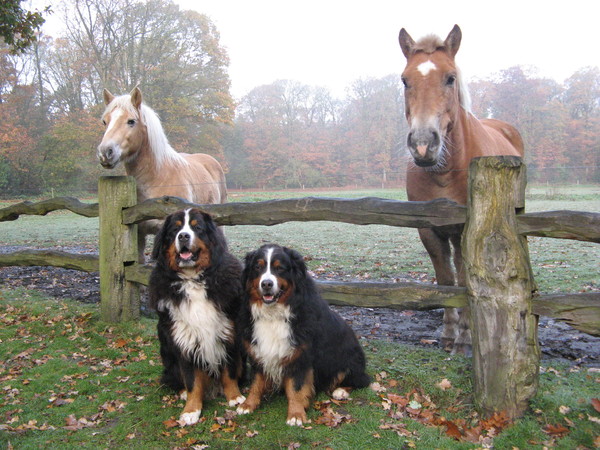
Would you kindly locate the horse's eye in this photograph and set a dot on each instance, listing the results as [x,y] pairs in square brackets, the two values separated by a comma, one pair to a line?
[103,122]
[450,80]
[404,82]
[131,122]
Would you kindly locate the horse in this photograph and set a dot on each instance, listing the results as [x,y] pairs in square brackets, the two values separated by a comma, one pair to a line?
[134,135]
[442,139]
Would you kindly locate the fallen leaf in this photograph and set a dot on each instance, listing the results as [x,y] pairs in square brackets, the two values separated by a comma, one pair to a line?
[444,384]
[170,423]
[556,430]
[594,419]
[414,405]
[452,430]
[564,410]
[596,404]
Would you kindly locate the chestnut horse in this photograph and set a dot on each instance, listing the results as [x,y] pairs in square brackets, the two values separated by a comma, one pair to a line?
[443,137]
[135,136]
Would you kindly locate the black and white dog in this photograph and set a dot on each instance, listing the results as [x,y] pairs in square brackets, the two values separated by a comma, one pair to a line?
[294,340]
[196,290]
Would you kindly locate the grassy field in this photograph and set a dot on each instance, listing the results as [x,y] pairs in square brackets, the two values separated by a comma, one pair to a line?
[345,251]
[70,381]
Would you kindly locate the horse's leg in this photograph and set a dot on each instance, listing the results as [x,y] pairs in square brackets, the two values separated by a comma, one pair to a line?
[439,251]
[141,244]
[144,229]
[463,341]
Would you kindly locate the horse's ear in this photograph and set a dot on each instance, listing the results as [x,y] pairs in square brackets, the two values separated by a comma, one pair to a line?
[452,42]
[108,97]
[136,97]
[406,42]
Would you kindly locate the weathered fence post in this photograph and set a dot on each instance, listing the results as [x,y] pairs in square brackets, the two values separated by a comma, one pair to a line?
[506,352]
[119,299]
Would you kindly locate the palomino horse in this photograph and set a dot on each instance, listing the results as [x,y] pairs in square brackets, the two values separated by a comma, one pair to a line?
[135,136]
[443,137]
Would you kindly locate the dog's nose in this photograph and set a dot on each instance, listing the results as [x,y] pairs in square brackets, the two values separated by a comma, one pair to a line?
[266,285]
[183,237]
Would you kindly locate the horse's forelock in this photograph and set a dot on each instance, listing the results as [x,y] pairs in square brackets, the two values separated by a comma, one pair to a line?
[430,44]
[122,102]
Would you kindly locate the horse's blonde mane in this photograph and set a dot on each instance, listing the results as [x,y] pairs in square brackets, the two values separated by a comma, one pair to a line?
[157,139]
[429,44]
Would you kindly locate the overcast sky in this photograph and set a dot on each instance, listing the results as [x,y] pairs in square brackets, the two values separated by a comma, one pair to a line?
[331,43]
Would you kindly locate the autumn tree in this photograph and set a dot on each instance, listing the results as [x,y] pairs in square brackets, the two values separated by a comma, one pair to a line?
[374,130]
[285,135]
[18,26]
[582,102]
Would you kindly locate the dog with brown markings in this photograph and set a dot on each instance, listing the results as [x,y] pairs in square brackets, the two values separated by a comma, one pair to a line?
[294,341]
[196,290]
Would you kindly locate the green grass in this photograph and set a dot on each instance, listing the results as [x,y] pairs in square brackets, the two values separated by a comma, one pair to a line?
[71,381]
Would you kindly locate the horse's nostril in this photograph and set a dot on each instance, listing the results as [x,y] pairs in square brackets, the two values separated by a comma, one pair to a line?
[109,152]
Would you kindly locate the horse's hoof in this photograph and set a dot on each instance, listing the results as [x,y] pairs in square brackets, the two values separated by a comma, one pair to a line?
[462,349]
[447,344]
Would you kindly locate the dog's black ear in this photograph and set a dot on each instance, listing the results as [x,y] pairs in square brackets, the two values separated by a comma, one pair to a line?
[298,264]
[160,238]
[248,260]
[216,238]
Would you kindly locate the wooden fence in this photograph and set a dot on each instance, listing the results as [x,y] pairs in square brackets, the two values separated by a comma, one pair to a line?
[499,281]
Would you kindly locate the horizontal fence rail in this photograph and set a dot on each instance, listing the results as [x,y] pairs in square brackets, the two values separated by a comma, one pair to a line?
[45,206]
[576,225]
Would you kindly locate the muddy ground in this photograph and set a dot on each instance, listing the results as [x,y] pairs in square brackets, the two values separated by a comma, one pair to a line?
[420,328]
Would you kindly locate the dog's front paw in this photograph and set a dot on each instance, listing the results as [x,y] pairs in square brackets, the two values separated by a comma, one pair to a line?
[296,420]
[244,408]
[190,418]
[340,394]
[237,401]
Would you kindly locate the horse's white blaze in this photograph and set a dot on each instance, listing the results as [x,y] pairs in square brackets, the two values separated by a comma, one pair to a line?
[426,67]
[114,119]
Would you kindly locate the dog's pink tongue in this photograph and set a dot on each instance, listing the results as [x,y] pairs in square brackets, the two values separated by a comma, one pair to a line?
[185,255]
[268,298]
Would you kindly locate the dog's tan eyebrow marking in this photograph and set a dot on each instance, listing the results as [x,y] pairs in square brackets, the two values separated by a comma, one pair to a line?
[276,263]
[261,262]
[193,222]
[178,223]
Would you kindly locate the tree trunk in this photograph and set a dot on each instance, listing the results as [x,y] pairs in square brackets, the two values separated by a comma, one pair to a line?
[506,352]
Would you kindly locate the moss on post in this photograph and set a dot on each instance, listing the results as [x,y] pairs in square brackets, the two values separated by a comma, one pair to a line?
[119,298]
[506,352]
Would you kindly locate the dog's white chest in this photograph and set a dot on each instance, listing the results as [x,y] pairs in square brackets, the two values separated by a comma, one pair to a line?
[199,328]
[272,340]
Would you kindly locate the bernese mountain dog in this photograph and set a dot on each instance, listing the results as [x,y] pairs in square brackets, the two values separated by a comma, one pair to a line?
[294,341]
[196,290]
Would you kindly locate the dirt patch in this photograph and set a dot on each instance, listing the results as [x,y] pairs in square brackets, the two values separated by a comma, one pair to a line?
[420,328]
